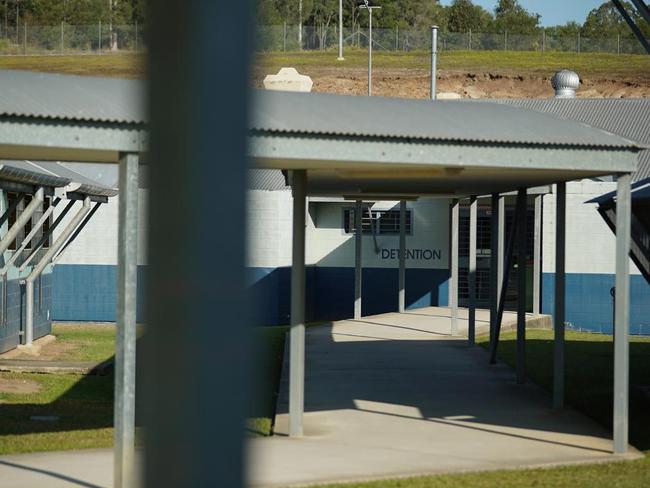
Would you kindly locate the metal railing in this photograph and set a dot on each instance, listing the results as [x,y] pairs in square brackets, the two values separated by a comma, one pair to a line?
[288,38]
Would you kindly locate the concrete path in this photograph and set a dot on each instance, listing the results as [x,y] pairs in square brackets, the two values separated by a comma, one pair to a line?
[395,395]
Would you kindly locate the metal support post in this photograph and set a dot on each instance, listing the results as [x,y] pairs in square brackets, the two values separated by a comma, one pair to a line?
[369,52]
[494,263]
[38,269]
[622,318]
[358,272]
[341,58]
[453,285]
[502,241]
[28,238]
[46,236]
[62,45]
[471,273]
[434,60]
[537,256]
[402,257]
[23,218]
[521,285]
[297,335]
[127,285]
[558,316]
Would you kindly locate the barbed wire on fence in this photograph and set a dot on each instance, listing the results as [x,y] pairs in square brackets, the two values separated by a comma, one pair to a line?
[285,38]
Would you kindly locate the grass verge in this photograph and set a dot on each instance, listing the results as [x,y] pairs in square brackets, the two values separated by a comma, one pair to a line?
[85,342]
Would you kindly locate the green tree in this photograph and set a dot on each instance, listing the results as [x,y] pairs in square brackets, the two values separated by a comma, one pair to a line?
[606,22]
[463,15]
[511,17]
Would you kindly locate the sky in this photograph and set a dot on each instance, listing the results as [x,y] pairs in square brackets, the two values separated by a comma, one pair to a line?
[553,12]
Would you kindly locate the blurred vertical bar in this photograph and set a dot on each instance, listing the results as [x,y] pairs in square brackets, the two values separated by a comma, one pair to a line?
[401,298]
[197,350]
[471,272]
[560,296]
[453,283]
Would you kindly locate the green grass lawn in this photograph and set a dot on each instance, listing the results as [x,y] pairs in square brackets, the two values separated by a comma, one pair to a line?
[87,342]
[593,65]
[589,389]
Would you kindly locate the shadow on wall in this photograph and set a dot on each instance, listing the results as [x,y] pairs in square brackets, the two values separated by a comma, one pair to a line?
[330,289]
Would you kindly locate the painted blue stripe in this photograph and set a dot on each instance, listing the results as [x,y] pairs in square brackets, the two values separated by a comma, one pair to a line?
[589,303]
[85,292]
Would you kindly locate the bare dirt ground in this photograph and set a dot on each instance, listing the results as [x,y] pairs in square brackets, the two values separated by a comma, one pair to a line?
[414,83]
[8,385]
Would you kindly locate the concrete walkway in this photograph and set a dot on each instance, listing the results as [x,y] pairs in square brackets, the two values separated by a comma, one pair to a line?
[396,395]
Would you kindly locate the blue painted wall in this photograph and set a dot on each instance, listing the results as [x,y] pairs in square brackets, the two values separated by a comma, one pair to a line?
[589,303]
[85,292]
[15,320]
[330,292]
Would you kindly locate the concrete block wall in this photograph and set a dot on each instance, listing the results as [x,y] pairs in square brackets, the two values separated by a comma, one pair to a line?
[590,263]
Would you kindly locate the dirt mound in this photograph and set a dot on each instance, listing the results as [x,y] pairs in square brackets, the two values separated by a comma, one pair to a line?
[409,83]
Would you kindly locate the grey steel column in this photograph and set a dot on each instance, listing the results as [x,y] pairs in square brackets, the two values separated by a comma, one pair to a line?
[358,271]
[434,60]
[402,257]
[297,334]
[522,205]
[340,58]
[502,241]
[558,315]
[369,52]
[453,285]
[494,264]
[471,272]
[622,317]
[537,256]
[127,284]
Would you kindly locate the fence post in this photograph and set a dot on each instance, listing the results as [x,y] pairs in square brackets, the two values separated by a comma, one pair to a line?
[578,41]
[100,37]
[284,36]
[469,43]
[397,38]
[136,36]
[505,40]
[25,39]
[618,44]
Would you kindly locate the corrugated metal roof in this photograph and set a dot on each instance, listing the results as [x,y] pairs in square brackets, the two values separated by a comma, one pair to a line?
[266,179]
[82,98]
[376,117]
[629,118]
[78,182]
[24,173]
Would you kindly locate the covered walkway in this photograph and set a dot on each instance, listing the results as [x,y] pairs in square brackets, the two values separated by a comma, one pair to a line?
[396,394]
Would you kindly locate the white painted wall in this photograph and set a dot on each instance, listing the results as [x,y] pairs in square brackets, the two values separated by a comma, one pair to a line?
[97,242]
[590,244]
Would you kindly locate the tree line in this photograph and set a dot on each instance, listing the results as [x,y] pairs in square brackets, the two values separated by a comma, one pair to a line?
[461,16]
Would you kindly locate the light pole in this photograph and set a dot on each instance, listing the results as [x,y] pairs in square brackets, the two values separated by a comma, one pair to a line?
[434,59]
[340,58]
[370,8]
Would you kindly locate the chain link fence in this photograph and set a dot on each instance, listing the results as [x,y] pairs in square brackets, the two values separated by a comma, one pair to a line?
[289,38]
[28,39]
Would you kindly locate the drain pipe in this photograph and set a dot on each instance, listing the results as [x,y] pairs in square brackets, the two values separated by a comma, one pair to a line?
[29,237]
[22,219]
[38,269]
